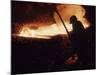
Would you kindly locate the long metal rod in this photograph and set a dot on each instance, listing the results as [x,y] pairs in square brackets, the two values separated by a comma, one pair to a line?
[66,31]
[62,22]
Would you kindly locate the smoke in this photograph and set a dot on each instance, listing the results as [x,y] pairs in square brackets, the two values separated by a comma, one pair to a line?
[68,10]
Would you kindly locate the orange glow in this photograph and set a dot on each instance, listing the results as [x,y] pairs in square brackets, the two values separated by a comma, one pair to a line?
[68,10]
[26,32]
[47,31]
[72,60]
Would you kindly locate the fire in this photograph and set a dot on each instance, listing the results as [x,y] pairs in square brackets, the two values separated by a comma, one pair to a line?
[47,31]
[27,32]
[68,10]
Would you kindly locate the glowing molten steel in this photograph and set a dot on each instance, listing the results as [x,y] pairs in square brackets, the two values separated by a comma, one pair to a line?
[26,32]
[46,32]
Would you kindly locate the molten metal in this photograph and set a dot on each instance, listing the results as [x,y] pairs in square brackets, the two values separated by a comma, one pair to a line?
[46,32]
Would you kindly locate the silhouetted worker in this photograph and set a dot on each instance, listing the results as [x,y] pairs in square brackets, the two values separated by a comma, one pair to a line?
[78,39]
